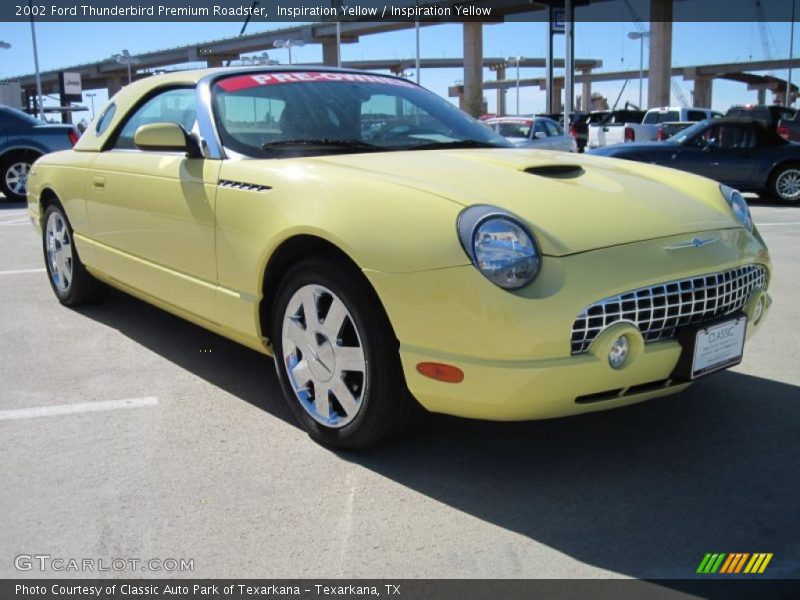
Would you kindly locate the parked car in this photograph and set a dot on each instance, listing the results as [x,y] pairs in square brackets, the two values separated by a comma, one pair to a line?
[23,139]
[426,261]
[737,152]
[767,115]
[789,128]
[533,132]
[608,127]
[646,128]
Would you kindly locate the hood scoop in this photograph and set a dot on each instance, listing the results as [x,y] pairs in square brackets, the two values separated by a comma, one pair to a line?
[556,171]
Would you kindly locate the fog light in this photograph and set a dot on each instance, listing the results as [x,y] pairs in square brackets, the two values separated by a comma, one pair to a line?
[618,352]
[758,311]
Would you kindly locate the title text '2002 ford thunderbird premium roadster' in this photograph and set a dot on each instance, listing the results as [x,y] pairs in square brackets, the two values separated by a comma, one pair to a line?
[386,248]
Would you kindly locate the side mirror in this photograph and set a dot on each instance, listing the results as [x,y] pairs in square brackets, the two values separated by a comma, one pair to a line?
[166,137]
[540,135]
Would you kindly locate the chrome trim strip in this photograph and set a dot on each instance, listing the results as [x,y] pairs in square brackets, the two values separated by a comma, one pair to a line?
[658,310]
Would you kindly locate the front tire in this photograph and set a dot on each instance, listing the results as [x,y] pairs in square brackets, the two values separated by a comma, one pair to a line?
[336,356]
[71,282]
[785,184]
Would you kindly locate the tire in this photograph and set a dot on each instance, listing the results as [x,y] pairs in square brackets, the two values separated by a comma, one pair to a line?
[784,184]
[71,282]
[343,379]
[14,176]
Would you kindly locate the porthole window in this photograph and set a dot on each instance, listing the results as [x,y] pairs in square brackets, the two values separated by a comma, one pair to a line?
[105,119]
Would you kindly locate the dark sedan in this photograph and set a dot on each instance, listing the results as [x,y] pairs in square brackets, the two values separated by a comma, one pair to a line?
[738,152]
[23,139]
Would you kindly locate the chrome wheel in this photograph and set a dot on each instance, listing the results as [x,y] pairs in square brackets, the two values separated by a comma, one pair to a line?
[324,356]
[788,184]
[17,178]
[59,251]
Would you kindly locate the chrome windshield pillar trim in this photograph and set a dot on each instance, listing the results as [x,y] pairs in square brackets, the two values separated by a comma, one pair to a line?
[205,120]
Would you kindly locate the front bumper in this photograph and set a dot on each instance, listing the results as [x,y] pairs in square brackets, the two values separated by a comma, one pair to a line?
[514,348]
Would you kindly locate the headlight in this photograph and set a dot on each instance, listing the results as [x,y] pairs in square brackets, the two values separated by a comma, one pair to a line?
[499,245]
[738,205]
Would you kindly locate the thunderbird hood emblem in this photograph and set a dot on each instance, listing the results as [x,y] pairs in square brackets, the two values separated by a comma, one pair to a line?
[692,243]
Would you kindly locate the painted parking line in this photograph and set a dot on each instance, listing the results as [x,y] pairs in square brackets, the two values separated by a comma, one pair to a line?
[777,223]
[21,271]
[18,221]
[81,407]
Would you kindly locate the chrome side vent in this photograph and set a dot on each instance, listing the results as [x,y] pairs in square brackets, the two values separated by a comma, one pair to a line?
[556,171]
[241,185]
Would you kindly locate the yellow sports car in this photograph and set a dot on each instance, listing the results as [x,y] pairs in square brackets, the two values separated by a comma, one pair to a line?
[386,248]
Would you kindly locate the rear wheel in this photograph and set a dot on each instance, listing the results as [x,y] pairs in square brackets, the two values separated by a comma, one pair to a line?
[14,176]
[71,282]
[337,357]
[785,184]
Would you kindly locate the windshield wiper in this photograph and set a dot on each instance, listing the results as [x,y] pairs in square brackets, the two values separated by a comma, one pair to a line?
[321,143]
[454,144]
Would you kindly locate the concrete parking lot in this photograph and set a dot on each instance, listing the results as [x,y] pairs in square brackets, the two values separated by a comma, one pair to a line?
[205,462]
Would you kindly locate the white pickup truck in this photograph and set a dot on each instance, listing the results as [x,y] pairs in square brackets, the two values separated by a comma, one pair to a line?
[614,131]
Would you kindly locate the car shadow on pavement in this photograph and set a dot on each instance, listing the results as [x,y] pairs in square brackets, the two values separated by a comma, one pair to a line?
[643,491]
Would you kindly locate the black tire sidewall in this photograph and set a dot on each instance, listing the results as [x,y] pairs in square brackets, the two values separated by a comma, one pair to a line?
[384,381]
[73,295]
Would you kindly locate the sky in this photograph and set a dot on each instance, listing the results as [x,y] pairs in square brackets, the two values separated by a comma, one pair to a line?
[65,44]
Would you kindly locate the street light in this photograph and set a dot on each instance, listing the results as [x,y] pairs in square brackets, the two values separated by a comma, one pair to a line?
[126,59]
[288,44]
[640,35]
[512,60]
[91,98]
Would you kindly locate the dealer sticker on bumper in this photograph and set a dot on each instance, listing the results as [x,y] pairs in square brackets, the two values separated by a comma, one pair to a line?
[719,347]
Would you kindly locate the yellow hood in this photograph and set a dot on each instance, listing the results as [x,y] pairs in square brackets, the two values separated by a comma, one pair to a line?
[600,203]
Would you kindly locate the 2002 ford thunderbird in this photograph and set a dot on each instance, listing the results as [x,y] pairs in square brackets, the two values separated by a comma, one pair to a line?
[386,247]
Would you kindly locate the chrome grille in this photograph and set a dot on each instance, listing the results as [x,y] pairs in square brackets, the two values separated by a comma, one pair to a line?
[658,310]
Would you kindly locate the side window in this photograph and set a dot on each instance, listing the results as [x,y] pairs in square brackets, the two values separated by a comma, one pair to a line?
[553,130]
[173,106]
[105,119]
[695,115]
[384,115]
[538,127]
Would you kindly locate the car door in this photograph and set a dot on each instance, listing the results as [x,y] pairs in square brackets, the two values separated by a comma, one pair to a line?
[723,152]
[152,213]
[556,136]
[539,137]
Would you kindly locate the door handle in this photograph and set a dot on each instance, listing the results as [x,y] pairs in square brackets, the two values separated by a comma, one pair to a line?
[99,182]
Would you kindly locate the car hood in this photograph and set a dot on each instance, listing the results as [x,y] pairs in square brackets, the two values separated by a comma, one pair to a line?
[572,203]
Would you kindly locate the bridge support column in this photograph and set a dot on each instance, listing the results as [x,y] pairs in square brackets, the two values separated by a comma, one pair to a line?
[702,92]
[473,68]
[660,72]
[114,84]
[762,96]
[555,96]
[330,57]
[501,92]
[213,62]
[586,91]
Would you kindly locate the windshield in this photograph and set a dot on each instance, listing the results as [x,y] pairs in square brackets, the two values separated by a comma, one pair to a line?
[688,133]
[304,113]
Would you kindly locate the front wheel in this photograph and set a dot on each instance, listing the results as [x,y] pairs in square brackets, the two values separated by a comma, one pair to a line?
[71,282]
[785,184]
[337,357]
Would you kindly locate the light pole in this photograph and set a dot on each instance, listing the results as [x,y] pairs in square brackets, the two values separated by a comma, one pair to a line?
[288,44]
[640,35]
[39,99]
[91,99]
[515,60]
[788,99]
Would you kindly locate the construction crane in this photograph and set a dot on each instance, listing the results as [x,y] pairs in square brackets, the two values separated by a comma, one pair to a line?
[677,91]
[766,46]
